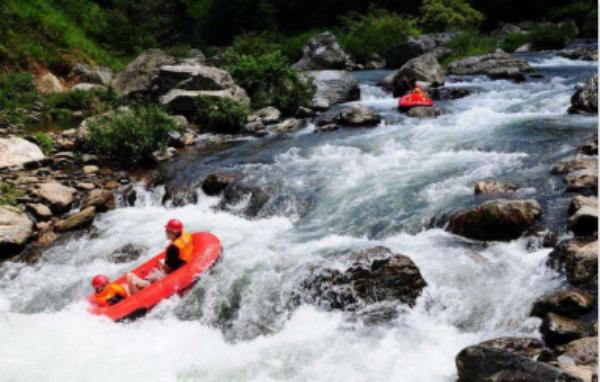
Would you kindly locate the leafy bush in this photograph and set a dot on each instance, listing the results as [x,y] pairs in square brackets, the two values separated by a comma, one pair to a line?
[130,134]
[584,13]
[443,15]
[374,32]
[9,193]
[515,40]
[44,141]
[549,36]
[17,90]
[269,81]
[469,43]
[251,44]
[221,114]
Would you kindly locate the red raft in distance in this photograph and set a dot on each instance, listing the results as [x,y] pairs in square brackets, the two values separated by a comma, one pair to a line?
[207,249]
[412,100]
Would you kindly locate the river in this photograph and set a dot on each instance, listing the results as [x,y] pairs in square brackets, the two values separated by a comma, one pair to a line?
[393,185]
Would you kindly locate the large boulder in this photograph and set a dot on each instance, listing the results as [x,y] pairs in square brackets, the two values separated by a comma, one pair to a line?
[332,87]
[496,220]
[497,65]
[94,75]
[574,163]
[183,102]
[584,218]
[139,77]
[323,52]
[193,77]
[492,361]
[17,151]
[583,351]
[16,229]
[583,181]
[424,68]
[578,258]
[48,83]
[358,115]
[57,196]
[585,99]
[398,55]
[376,275]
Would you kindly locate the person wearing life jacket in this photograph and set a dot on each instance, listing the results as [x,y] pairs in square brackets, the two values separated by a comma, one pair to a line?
[178,253]
[418,92]
[107,293]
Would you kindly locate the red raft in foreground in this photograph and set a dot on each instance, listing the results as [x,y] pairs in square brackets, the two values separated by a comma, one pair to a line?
[412,100]
[207,249]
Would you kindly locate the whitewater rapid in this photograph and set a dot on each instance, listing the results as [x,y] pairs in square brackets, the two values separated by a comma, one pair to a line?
[348,190]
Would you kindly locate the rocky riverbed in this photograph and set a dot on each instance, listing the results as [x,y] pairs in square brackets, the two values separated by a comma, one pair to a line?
[360,243]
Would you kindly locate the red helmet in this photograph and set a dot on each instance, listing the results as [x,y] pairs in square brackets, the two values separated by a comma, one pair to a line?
[100,281]
[174,225]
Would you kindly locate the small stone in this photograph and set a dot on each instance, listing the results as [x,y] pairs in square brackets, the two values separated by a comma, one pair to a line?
[40,211]
[59,197]
[90,169]
[103,200]
[326,128]
[65,154]
[89,158]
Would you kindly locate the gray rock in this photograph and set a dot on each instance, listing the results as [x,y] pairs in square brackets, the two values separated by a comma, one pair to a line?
[16,229]
[583,181]
[78,220]
[578,258]
[488,363]
[323,52]
[193,77]
[423,112]
[40,211]
[580,53]
[525,48]
[18,151]
[559,330]
[570,303]
[267,116]
[496,220]
[85,87]
[585,99]
[490,187]
[184,101]
[333,87]
[497,65]
[585,220]
[103,200]
[583,351]
[59,197]
[423,68]
[575,163]
[376,275]
[94,75]
[288,125]
[399,54]
[358,115]
[140,75]
[590,148]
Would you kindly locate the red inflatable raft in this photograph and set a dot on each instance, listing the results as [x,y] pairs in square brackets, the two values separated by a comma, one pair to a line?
[207,249]
[412,100]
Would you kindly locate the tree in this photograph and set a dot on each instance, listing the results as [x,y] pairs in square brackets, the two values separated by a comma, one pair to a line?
[442,15]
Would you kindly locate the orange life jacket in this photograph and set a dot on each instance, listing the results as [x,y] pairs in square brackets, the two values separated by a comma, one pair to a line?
[112,294]
[185,244]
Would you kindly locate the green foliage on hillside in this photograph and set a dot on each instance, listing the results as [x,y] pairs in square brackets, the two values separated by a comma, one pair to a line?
[444,15]
[362,35]
[222,115]
[470,43]
[269,81]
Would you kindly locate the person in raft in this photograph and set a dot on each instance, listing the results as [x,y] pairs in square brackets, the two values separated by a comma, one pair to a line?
[178,252]
[107,293]
[419,92]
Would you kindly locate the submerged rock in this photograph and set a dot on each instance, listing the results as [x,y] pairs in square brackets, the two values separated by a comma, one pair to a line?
[376,275]
[333,87]
[18,151]
[446,93]
[493,361]
[496,220]
[323,52]
[252,199]
[16,229]
[585,99]
[358,115]
[489,187]
[216,183]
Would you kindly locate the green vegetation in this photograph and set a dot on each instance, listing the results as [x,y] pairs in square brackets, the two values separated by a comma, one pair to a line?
[546,36]
[17,90]
[375,32]
[470,43]
[444,15]
[584,13]
[44,141]
[130,135]
[88,101]
[9,193]
[269,81]
[515,40]
[220,114]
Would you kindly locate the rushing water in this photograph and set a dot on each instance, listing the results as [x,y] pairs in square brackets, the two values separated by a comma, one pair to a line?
[354,188]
